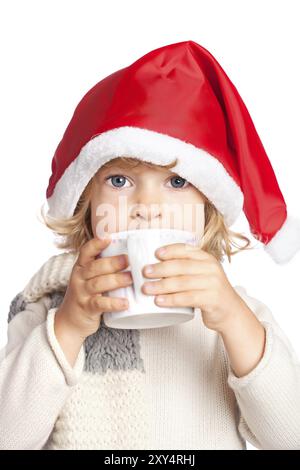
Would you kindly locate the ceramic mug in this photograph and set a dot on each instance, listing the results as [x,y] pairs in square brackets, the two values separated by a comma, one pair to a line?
[140,246]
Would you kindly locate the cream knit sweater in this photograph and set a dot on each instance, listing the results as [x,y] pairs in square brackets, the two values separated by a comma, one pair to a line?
[160,388]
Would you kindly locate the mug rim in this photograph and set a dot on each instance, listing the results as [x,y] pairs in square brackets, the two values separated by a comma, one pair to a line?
[132,233]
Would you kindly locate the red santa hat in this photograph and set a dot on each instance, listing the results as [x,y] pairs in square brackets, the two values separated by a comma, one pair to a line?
[176,102]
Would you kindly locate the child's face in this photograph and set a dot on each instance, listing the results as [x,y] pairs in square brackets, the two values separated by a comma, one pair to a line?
[128,197]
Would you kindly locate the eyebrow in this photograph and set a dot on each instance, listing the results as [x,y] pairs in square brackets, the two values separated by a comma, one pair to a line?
[120,168]
[117,168]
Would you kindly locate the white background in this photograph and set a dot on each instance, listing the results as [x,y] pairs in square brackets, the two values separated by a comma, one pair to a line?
[52,52]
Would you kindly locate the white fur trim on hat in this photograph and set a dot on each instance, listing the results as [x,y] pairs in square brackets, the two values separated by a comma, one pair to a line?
[195,165]
[286,242]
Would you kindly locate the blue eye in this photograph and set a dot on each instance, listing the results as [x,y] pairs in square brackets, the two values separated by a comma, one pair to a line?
[117,180]
[178,181]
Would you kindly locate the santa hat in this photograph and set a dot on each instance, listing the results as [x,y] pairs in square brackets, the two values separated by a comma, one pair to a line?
[176,102]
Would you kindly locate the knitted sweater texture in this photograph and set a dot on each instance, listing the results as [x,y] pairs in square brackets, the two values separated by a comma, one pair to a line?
[158,388]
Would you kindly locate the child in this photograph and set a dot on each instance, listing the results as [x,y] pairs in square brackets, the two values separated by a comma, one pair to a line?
[174,128]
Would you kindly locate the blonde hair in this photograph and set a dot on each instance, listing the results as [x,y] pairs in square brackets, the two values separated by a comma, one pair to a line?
[75,231]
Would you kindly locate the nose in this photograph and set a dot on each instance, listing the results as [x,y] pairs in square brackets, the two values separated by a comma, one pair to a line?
[146,212]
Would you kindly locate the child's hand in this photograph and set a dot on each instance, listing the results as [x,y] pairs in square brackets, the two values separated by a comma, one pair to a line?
[194,278]
[84,303]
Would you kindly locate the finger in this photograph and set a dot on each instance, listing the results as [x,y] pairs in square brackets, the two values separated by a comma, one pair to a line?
[91,249]
[107,265]
[181,250]
[169,285]
[176,267]
[191,298]
[108,282]
[103,303]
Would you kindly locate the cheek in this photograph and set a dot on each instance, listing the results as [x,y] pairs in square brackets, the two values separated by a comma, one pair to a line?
[190,213]
[182,199]
[105,213]
[102,201]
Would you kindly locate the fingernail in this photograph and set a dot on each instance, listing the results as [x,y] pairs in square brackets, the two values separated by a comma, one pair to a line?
[149,269]
[160,299]
[148,286]
[161,251]
[127,275]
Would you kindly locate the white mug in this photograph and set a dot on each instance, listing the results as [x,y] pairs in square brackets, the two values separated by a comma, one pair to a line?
[140,246]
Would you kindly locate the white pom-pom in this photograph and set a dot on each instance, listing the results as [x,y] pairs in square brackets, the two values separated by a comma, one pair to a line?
[286,242]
